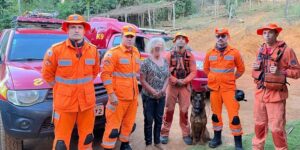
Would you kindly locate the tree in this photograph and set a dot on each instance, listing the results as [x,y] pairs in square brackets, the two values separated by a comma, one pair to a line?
[7,11]
[286,12]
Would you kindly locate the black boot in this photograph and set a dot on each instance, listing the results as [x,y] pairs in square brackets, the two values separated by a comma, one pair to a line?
[238,142]
[125,146]
[216,141]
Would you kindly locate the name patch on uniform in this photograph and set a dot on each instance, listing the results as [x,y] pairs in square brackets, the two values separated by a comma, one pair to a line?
[124,61]
[64,62]
[213,58]
[90,61]
[228,57]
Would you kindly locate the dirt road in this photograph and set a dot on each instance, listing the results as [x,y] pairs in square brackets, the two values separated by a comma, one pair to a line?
[243,38]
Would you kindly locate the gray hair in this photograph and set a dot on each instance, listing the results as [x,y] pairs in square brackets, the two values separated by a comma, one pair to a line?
[152,42]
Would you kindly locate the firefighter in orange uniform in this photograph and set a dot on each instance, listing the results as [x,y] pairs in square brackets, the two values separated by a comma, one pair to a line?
[219,65]
[70,68]
[274,63]
[182,66]
[121,65]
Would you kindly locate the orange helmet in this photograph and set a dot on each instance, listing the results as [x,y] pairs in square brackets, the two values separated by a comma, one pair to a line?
[129,30]
[75,19]
[271,26]
[219,31]
[183,35]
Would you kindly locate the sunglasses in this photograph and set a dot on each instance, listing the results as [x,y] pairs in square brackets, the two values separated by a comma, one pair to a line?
[129,36]
[221,36]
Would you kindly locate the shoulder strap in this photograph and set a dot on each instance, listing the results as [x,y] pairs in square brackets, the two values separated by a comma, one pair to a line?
[280,52]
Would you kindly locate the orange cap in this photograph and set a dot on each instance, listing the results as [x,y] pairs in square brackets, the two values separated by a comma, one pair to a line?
[75,19]
[219,31]
[183,35]
[271,26]
[129,30]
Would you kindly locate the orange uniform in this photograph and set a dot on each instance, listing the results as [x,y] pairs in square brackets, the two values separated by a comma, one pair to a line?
[120,69]
[180,94]
[269,105]
[220,69]
[73,90]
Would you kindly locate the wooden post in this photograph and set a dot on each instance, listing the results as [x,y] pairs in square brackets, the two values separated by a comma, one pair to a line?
[125,17]
[174,16]
[149,18]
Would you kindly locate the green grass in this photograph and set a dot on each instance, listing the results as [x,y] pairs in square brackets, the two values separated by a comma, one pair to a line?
[293,140]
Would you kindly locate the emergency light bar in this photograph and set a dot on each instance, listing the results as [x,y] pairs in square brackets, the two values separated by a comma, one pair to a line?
[146,30]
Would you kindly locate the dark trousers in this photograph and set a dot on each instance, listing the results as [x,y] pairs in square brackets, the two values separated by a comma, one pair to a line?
[153,111]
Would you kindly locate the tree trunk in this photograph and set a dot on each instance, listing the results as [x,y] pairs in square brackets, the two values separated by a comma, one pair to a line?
[286,8]
[202,5]
[153,16]
[216,8]
[174,15]
[143,20]
[149,18]
[88,9]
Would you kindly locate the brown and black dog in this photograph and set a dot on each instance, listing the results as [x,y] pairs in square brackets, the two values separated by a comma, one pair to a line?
[199,119]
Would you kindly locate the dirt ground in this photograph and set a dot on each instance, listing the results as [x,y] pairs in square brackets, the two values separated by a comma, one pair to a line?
[244,38]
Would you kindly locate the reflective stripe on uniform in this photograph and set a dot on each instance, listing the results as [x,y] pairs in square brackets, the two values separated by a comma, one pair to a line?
[236,130]
[217,128]
[228,57]
[213,58]
[64,62]
[217,70]
[124,137]
[73,81]
[90,61]
[109,143]
[124,61]
[107,82]
[124,75]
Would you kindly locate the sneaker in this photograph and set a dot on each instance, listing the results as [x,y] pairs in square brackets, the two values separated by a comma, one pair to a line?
[164,139]
[188,140]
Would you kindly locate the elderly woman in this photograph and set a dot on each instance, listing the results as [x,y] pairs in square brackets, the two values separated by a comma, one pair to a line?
[154,79]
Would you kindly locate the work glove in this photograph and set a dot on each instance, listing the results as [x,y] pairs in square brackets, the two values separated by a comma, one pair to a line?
[113,99]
